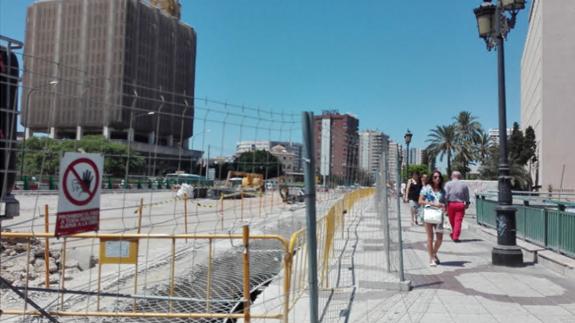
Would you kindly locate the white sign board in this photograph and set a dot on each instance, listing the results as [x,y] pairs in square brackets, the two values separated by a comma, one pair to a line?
[79,189]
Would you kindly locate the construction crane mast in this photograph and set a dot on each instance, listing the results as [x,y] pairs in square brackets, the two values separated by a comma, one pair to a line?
[171,7]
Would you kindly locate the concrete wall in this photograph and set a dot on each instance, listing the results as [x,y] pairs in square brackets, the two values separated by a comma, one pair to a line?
[547,89]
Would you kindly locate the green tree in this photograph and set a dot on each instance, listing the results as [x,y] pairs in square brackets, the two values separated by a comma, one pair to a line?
[467,134]
[520,177]
[529,147]
[420,168]
[482,147]
[259,161]
[516,144]
[42,155]
[442,143]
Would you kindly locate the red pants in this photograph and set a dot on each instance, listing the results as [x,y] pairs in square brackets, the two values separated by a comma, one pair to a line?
[455,212]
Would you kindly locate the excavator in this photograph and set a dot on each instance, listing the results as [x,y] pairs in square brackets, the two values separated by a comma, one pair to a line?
[239,185]
[250,181]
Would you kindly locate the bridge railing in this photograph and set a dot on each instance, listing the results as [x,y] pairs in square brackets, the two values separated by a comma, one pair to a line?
[540,225]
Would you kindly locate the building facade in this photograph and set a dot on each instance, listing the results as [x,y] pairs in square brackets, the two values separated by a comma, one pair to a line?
[119,68]
[547,96]
[395,150]
[493,134]
[371,148]
[293,151]
[415,156]
[336,145]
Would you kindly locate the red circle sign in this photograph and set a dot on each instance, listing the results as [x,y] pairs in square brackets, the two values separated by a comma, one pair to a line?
[84,187]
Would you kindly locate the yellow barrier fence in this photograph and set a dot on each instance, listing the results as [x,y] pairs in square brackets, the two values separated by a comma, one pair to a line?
[119,269]
[327,228]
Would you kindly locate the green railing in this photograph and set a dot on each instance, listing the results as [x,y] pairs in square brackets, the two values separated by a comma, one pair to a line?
[549,228]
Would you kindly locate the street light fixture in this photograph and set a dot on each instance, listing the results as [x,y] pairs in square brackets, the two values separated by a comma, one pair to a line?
[408,135]
[27,130]
[494,22]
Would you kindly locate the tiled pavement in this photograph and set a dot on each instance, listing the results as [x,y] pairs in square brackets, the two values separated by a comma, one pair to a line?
[464,288]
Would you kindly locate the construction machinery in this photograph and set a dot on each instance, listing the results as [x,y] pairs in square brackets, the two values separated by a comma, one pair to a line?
[249,181]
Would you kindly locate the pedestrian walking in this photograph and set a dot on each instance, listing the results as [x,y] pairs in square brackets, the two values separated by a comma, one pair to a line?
[424,182]
[432,197]
[457,197]
[412,196]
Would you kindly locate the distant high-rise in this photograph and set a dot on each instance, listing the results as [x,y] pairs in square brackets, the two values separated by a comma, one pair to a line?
[547,96]
[336,145]
[395,151]
[371,148]
[102,57]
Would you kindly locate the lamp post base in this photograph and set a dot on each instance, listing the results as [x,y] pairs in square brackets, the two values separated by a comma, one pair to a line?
[509,256]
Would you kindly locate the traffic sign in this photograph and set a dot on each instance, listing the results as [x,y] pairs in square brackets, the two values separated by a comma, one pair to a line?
[79,193]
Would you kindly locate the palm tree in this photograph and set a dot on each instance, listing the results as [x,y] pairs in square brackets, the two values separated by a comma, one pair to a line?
[442,141]
[467,127]
[482,146]
[467,133]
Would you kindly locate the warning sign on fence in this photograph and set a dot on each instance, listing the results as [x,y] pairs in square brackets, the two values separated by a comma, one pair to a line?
[79,193]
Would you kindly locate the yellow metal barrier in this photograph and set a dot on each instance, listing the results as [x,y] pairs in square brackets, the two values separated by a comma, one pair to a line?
[131,258]
[327,227]
[294,264]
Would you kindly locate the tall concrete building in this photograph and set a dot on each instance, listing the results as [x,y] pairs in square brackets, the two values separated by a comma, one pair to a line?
[547,96]
[394,150]
[371,148]
[336,145]
[415,156]
[99,66]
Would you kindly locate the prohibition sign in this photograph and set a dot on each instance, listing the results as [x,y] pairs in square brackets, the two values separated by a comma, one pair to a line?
[85,187]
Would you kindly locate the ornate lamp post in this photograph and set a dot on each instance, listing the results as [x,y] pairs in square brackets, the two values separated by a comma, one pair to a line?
[408,135]
[494,22]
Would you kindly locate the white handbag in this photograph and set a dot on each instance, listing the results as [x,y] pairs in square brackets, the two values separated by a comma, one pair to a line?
[432,215]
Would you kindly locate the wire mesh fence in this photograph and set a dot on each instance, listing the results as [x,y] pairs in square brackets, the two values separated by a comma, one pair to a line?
[387,201]
[242,165]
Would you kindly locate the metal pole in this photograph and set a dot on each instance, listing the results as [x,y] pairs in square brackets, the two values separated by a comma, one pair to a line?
[407,164]
[506,253]
[385,179]
[401,273]
[309,174]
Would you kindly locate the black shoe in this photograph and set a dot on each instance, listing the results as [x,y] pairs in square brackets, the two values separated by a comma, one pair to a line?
[437,260]
[457,241]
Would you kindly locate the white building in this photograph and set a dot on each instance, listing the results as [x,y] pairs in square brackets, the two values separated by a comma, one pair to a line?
[394,149]
[415,156]
[494,135]
[267,145]
[547,90]
[371,148]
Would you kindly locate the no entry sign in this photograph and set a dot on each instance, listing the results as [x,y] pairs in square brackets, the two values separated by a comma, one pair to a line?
[79,193]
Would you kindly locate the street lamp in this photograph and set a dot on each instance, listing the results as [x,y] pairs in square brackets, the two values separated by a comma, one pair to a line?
[27,130]
[131,138]
[408,135]
[494,21]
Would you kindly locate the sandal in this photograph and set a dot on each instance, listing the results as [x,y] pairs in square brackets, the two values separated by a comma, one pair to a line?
[433,264]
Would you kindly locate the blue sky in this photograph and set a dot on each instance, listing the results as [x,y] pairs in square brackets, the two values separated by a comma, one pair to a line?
[394,64]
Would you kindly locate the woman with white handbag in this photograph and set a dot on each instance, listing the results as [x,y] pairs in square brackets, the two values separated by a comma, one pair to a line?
[432,198]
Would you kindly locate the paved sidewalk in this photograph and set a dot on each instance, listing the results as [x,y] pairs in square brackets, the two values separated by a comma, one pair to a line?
[464,288]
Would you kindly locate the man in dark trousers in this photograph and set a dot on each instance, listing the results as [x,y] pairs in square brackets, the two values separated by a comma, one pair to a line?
[457,197]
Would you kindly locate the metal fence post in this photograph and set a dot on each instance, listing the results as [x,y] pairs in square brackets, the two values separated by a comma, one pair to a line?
[385,179]
[401,273]
[309,173]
